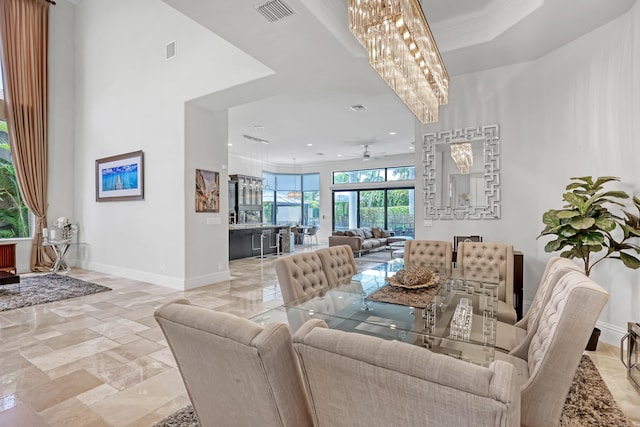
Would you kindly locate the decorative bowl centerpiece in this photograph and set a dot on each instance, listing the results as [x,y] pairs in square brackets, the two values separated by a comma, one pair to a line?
[414,278]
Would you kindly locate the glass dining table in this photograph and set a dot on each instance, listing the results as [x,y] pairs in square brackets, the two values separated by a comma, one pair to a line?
[457,318]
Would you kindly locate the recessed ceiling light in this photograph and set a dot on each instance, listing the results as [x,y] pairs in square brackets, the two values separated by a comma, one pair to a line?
[309,145]
[392,133]
[339,155]
[230,144]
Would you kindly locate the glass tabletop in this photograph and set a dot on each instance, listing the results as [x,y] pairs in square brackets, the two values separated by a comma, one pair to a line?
[459,320]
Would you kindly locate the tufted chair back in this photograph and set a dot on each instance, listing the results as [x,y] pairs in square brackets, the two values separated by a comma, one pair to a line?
[236,372]
[542,293]
[301,277]
[412,386]
[429,253]
[566,322]
[338,264]
[488,261]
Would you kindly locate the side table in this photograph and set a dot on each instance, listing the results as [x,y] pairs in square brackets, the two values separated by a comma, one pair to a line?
[60,249]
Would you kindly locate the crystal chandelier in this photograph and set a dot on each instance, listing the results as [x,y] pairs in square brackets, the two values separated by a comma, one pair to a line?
[462,155]
[402,50]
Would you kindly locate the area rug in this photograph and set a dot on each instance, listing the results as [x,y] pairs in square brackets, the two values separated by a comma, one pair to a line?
[40,289]
[589,404]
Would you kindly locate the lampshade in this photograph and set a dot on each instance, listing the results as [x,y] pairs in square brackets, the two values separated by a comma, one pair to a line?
[402,50]
[462,155]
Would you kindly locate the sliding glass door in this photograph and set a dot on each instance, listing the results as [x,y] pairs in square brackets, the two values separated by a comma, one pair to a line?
[390,209]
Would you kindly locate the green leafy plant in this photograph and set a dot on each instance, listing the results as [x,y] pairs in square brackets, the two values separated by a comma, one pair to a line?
[586,226]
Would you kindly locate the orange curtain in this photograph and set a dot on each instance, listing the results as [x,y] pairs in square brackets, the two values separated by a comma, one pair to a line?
[24,26]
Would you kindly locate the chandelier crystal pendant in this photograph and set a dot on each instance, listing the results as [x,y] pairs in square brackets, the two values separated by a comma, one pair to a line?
[462,155]
[402,50]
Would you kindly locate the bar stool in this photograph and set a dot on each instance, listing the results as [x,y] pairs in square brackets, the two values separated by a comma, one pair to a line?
[262,235]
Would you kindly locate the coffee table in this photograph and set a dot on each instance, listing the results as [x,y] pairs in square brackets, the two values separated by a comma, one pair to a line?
[396,249]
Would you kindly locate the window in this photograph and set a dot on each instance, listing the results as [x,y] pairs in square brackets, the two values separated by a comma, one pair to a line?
[403,173]
[290,199]
[14,215]
[388,205]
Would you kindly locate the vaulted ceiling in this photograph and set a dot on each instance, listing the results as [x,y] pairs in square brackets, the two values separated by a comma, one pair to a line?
[320,70]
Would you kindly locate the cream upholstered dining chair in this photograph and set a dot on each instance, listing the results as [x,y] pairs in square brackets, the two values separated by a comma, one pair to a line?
[508,337]
[552,355]
[236,372]
[301,277]
[356,379]
[429,253]
[338,264]
[491,261]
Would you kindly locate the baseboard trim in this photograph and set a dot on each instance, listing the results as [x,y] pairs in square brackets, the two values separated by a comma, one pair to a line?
[611,334]
[157,279]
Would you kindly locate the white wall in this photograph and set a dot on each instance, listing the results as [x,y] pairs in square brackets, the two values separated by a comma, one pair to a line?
[207,233]
[129,98]
[569,113]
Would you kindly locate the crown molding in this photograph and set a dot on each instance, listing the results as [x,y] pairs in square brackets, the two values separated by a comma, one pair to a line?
[483,25]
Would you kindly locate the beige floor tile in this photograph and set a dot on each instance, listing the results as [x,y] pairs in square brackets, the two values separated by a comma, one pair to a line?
[134,372]
[95,364]
[117,328]
[141,399]
[72,412]
[72,353]
[21,380]
[9,401]
[96,394]
[21,415]
[50,394]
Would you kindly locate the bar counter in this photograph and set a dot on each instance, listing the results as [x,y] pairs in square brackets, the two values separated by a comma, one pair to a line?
[245,240]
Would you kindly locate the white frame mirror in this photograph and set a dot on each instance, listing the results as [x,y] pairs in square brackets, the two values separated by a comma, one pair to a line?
[452,192]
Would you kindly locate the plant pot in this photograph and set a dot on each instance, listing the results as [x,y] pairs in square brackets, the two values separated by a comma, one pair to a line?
[593,341]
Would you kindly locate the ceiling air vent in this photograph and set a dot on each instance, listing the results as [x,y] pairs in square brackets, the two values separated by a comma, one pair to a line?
[358,107]
[274,10]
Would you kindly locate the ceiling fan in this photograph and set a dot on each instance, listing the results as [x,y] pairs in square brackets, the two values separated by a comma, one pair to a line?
[367,155]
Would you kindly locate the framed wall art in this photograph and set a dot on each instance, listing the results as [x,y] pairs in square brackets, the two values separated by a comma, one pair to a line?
[120,177]
[207,191]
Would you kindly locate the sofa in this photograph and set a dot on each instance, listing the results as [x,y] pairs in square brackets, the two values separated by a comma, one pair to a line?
[363,239]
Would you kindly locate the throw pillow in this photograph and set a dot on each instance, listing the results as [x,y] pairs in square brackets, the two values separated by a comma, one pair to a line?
[367,233]
[338,233]
[386,233]
[377,233]
[350,233]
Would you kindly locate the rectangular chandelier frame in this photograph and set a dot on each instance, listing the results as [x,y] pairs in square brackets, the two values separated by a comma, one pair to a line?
[403,51]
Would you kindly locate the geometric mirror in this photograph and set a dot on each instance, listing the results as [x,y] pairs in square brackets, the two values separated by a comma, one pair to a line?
[462,173]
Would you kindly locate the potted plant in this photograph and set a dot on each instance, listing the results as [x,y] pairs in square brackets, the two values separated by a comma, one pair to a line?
[585,226]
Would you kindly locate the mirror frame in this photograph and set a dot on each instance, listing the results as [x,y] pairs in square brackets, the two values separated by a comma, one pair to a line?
[490,135]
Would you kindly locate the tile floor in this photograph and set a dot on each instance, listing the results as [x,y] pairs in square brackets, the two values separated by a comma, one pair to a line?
[101,360]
